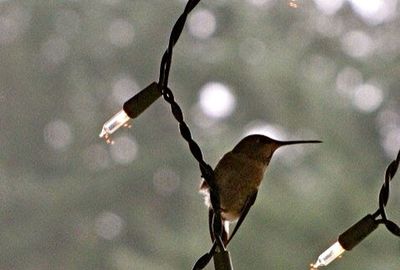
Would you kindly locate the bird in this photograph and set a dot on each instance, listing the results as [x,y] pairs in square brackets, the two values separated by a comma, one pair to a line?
[238,176]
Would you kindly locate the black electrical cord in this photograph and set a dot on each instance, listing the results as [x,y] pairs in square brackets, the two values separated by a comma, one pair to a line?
[364,227]
[384,198]
[356,233]
[206,171]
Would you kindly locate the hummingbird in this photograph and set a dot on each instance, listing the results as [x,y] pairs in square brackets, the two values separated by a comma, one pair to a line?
[238,176]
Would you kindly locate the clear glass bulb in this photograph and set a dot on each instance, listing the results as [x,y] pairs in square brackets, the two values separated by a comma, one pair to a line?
[328,255]
[118,120]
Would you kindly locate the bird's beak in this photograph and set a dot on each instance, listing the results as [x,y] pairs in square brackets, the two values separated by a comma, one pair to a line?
[284,143]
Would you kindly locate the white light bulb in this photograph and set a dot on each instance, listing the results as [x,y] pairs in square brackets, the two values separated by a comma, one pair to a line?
[118,120]
[328,255]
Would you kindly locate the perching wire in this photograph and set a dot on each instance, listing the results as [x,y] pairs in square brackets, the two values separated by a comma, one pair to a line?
[384,198]
[206,170]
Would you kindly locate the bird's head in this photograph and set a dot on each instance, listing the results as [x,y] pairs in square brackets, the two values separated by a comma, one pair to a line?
[260,147]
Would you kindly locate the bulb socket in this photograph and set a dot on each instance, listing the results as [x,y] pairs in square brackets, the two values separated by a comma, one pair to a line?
[356,233]
[142,100]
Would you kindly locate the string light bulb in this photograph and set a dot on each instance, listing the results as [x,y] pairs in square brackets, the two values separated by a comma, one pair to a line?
[293,4]
[118,120]
[131,109]
[328,256]
[347,241]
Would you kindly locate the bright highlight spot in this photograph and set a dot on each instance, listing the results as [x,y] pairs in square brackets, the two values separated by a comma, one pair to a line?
[120,119]
[329,6]
[217,100]
[367,98]
[328,256]
[108,225]
[202,23]
[258,3]
[58,134]
[375,11]
[357,44]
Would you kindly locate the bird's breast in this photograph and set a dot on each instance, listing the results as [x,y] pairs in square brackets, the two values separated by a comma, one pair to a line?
[237,178]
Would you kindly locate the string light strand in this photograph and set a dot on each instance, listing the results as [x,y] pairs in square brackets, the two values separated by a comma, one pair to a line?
[384,197]
[359,231]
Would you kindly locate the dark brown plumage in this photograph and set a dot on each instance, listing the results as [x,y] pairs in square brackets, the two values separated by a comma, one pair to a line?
[239,173]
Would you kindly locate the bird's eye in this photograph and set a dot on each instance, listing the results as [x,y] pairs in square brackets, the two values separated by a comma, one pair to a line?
[258,141]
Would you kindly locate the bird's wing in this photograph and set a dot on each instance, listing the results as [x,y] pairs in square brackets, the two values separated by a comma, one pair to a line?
[245,210]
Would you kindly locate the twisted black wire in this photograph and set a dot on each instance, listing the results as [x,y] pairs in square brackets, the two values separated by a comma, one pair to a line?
[384,197]
[206,170]
[175,34]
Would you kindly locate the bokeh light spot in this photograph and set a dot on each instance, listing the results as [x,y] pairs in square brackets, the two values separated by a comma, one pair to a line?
[58,134]
[14,20]
[217,100]
[121,33]
[367,98]
[329,6]
[375,11]
[391,142]
[259,3]
[357,44]
[124,150]
[108,225]
[55,50]
[202,23]
[124,87]
[165,181]
[347,80]
[387,120]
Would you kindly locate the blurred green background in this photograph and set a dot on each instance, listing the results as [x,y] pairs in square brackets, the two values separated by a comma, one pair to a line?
[328,69]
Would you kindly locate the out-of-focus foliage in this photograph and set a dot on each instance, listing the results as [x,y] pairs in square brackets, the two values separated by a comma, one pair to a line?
[328,69]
